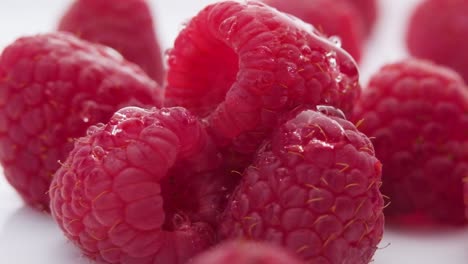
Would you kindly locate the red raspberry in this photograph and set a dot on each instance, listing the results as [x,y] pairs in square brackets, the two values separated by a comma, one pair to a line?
[126,26]
[418,114]
[243,252]
[241,65]
[124,195]
[52,87]
[437,31]
[332,17]
[314,188]
[368,11]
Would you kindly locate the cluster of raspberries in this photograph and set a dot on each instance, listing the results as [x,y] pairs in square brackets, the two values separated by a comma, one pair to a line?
[241,150]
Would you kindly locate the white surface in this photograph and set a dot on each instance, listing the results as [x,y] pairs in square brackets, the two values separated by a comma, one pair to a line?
[30,237]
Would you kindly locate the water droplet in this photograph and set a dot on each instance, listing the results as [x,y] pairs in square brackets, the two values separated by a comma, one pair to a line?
[112,52]
[303,58]
[292,68]
[326,98]
[228,26]
[297,134]
[295,148]
[332,61]
[336,40]
[98,152]
[180,221]
[331,111]
[115,130]
[322,143]
[165,112]
[113,122]
[305,49]
[334,67]
[118,117]
[93,129]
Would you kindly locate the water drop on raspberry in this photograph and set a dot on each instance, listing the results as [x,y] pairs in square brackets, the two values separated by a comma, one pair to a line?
[227,27]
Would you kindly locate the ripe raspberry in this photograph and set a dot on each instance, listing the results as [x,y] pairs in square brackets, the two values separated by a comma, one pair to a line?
[126,26]
[124,194]
[437,31]
[332,17]
[418,114]
[368,11]
[242,252]
[314,188]
[241,65]
[52,87]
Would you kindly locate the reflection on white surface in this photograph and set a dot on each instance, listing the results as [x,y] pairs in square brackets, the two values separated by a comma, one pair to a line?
[30,237]
[424,247]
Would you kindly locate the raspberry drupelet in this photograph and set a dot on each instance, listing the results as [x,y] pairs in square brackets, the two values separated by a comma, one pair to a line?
[314,189]
[52,88]
[437,31]
[331,17]
[126,26]
[144,188]
[417,113]
[243,65]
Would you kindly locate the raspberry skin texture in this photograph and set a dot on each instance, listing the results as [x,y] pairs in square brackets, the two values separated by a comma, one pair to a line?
[125,25]
[437,31]
[368,10]
[418,114]
[331,17]
[242,252]
[118,197]
[242,65]
[52,87]
[314,189]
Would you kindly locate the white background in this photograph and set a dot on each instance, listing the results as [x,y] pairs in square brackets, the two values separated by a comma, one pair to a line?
[30,237]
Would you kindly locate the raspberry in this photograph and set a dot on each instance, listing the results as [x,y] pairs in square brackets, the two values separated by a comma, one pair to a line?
[314,188]
[126,26]
[242,65]
[52,87]
[242,252]
[437,31]
[118,195]
[332,17]
[368,11]
[418,114]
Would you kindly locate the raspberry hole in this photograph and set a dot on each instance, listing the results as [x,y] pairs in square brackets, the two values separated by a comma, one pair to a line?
[216,71]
